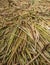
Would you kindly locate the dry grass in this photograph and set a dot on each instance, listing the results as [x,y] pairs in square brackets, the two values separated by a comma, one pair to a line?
[24,32]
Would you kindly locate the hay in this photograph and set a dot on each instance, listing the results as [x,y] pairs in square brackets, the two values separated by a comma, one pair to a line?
[24,33]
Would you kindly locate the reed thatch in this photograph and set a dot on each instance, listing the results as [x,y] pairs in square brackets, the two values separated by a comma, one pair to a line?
[24,32]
